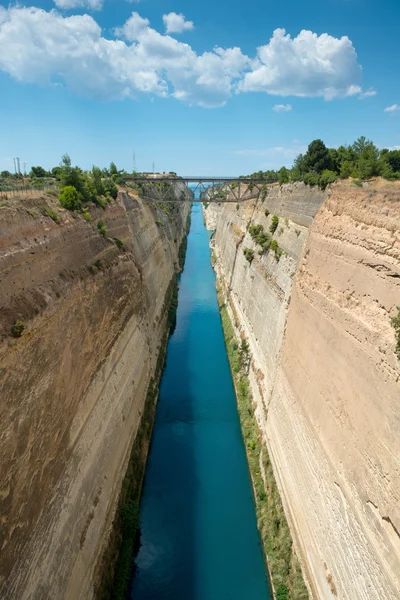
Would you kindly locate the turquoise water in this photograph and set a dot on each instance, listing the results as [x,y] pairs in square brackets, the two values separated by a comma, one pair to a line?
[199,537]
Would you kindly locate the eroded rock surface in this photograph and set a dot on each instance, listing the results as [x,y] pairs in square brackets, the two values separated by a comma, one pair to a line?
[72,388]
[324,373]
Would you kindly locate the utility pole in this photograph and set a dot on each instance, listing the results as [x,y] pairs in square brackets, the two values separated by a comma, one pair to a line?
[19,167]
[24,163]
[134,161]
[153,168]
[15,166]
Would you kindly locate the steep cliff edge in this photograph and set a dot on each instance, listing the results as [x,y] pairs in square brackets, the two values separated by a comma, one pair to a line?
[324,373]
[73,387]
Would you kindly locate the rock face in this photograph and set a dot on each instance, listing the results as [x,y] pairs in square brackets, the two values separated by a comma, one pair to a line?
[324,372]
[72,388]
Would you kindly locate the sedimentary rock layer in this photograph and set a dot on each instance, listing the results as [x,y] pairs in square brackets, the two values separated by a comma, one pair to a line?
[325,375]
[72,387]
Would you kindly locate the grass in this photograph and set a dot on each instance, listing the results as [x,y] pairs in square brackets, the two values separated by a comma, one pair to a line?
[52,214]
[276,538]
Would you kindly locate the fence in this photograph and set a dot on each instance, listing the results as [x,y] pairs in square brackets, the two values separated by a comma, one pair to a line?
[17,191]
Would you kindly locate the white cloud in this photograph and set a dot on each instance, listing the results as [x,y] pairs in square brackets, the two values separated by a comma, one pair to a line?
[307,65]
[282,107]
[68,4]
[367,94]
[49,48]
[392,109]
[176,23]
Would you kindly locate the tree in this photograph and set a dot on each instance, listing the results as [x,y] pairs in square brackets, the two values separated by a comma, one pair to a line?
[113,169]
[70,198]
[299,163]
[334,159]
[5,174]
[393,158]
[317,157]
[283,175]
[56,172]
[367,157]
[359,145]
[72,177]
[38,172]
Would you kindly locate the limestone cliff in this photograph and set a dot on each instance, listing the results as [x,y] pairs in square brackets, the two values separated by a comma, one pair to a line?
[72,388]
[324,371]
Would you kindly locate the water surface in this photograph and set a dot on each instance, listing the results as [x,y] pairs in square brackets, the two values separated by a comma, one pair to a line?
[198,526]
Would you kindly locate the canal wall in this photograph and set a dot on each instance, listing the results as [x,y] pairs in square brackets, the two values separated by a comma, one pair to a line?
[94,310]
[315,310]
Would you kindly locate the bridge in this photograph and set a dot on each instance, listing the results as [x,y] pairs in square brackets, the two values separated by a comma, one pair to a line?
[169,188]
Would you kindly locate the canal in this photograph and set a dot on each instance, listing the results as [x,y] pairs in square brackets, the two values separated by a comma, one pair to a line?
[199,537]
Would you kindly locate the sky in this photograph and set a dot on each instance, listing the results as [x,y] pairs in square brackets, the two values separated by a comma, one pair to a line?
[208,88]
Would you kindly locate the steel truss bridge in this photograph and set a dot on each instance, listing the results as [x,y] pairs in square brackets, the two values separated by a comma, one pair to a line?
[170,188]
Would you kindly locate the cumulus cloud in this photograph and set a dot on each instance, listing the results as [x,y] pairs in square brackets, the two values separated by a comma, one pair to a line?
[68,4]
[392,109]
[176,23]
[282,107]
[48,47]
[307,66]
[367,94]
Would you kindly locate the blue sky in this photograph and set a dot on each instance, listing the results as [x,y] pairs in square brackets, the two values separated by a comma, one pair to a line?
[220,90]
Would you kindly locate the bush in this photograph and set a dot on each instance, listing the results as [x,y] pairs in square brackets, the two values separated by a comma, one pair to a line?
[357,182]
[249,254]
[101,228]
[282,592]
[86,215]
[277,249]
[396,325]
[274,224]
[70,198]
[326,178]
[118,243]
[266,212]
[311,178]
[18,328]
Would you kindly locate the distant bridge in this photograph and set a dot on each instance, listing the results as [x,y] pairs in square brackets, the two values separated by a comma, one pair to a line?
[169,188]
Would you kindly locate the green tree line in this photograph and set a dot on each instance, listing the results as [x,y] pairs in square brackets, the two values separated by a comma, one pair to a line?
[321,165]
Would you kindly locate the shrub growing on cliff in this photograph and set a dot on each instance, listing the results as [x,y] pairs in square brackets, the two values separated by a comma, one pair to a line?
[70,198]
[274,224]
[249,254]
[52,214]
[119,243]
[396,325]
[101,228]
[277,250]
[18,328]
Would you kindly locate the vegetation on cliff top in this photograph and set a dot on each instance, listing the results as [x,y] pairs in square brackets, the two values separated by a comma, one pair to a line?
[275,534]
[321,165]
